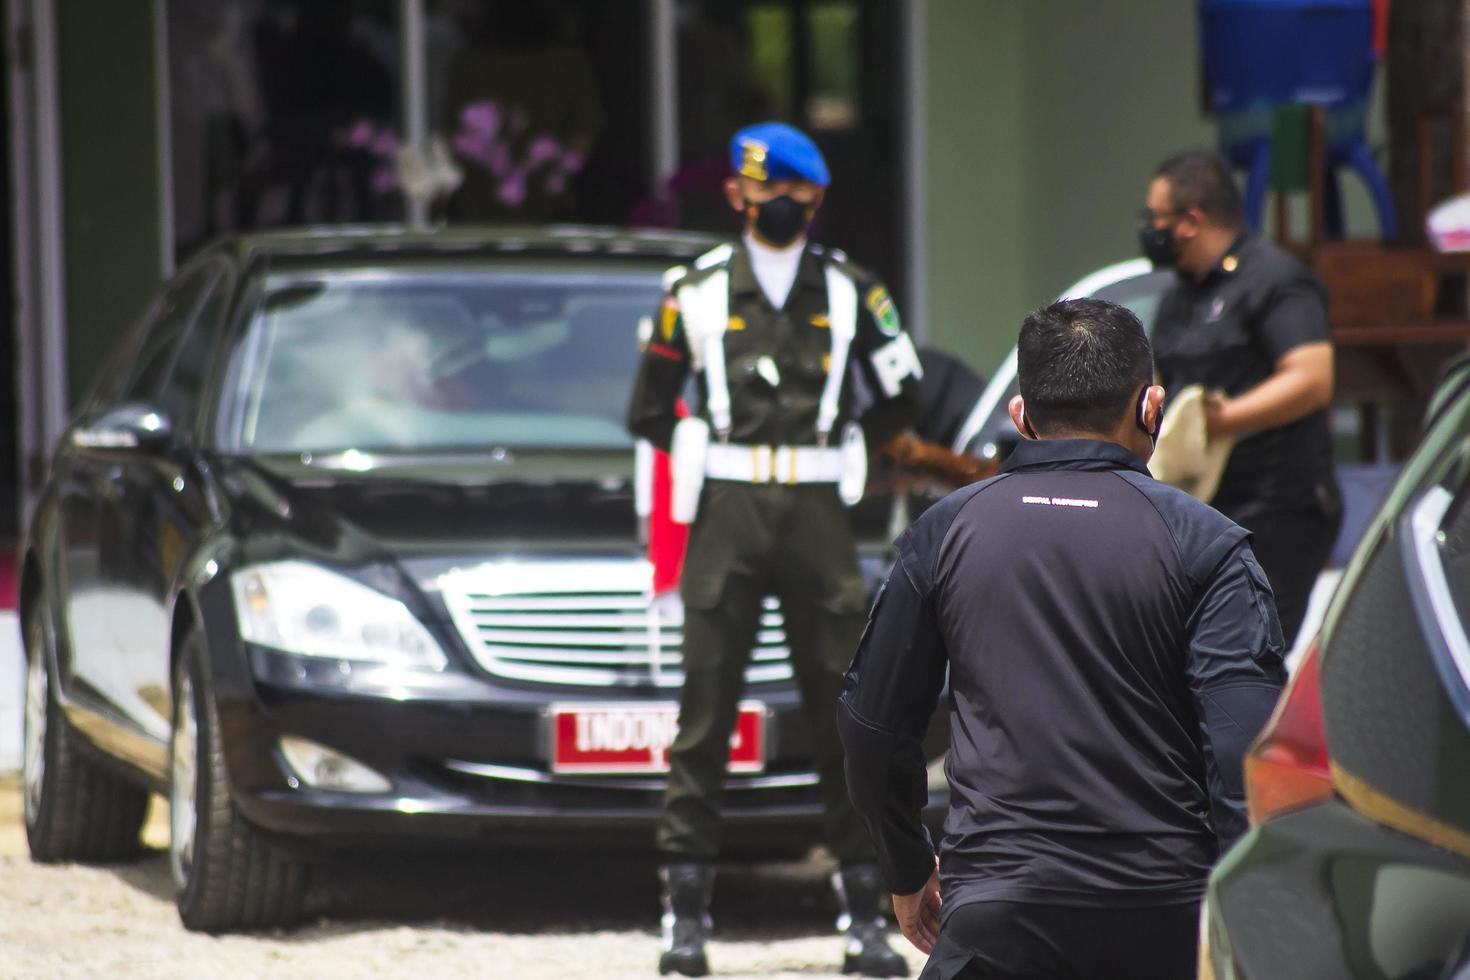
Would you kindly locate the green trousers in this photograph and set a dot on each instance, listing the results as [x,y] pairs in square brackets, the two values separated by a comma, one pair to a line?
[750,541]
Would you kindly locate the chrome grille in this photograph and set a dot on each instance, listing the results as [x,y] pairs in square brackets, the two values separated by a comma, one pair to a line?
[590,623]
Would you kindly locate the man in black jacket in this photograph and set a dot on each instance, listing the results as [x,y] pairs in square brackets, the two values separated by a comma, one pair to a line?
[1112,648]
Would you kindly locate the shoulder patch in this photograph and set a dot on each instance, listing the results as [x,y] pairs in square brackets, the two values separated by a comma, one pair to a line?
[880,304]
[668,318]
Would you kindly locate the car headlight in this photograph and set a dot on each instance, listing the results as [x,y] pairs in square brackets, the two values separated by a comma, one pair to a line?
[307,610]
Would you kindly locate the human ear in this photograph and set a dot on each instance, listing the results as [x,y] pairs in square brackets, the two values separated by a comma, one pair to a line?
[1023,425]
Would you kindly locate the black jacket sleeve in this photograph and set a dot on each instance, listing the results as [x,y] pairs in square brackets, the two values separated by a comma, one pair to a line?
[888,696]
[663,366]
[1235,673]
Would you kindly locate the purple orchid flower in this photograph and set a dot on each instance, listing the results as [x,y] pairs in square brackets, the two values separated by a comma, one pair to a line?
[543,150]
[384,180]
[386,143]
[482,117]
[512,190]
[359,135]
[499,161]
[475,147]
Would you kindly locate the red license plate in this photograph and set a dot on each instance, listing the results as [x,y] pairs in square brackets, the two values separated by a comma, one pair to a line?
[635,738]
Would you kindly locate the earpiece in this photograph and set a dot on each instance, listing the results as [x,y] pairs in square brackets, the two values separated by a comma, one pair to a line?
[1026,424]
[1153,434]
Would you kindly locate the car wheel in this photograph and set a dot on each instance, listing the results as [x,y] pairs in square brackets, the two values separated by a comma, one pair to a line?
[228,876]
[74,809]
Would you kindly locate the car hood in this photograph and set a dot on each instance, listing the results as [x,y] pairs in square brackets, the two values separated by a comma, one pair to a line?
[433,510]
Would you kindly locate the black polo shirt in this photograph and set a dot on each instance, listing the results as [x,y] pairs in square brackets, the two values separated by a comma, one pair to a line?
[1228,331]
[1111,647]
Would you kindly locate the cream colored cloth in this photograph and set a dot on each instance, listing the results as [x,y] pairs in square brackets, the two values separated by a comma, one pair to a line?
[1185,456]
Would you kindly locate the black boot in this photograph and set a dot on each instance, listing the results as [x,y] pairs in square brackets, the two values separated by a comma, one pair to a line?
[686,922]
[864,899]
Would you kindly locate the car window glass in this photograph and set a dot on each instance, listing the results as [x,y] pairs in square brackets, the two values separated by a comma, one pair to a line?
[180,395]
[1455,544]
[1433,463]
[1453,479]
[170,321]
[405,360]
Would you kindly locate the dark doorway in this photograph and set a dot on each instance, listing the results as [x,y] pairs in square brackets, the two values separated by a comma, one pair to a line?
[283,112]
[832,68]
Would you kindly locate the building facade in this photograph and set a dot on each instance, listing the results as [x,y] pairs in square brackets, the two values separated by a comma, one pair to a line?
[986,152]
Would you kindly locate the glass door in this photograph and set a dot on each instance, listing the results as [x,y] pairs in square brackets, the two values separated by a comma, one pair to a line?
[830,67]
[297,112]
[282,112]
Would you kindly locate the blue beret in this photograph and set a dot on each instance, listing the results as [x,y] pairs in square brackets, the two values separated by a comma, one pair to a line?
[776,151]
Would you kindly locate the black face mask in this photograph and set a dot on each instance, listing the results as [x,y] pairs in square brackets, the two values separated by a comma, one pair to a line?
[781,219]
[1157,244]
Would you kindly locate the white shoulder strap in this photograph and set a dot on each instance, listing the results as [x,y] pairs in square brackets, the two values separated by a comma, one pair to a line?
[705,307]
[842,313]
[715,256]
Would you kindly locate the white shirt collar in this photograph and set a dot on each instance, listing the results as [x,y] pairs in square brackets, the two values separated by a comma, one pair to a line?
[775,268]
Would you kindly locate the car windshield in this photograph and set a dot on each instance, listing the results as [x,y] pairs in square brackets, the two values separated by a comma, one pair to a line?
[404,360]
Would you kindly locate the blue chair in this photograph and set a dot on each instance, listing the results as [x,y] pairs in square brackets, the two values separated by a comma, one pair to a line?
[1263,55]
[1346,148]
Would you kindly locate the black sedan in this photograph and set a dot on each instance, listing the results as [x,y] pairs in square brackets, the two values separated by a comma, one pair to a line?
[1358,863]
[345,546]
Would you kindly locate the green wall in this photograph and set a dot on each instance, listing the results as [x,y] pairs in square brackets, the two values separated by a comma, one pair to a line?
[110,186]
[1044,119]
[975,160]
[1111,89]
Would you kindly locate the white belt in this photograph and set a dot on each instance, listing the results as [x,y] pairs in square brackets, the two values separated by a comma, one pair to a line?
[773,464]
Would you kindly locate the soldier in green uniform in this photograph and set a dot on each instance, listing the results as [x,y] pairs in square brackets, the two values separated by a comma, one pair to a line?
[786,339]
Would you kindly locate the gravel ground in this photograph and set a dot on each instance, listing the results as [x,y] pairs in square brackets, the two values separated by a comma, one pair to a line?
[483,915]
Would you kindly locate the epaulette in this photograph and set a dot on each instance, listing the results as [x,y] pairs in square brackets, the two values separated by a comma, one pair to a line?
[827,252]
[718,256]
[840,259]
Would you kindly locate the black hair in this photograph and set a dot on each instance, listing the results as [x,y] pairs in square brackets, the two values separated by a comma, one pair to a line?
[1081,363]
[1202,179]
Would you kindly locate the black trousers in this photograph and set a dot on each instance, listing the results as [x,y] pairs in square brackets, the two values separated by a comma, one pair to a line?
[1023,941]
[1293,546]
[748,542]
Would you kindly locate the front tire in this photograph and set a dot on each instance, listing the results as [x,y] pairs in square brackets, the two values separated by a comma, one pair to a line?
[227,875]
[75,810]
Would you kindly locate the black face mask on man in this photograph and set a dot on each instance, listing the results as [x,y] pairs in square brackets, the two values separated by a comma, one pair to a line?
[1157,243]
[781,219]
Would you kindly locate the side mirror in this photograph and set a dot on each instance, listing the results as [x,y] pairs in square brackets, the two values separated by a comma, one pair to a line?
[127,428]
